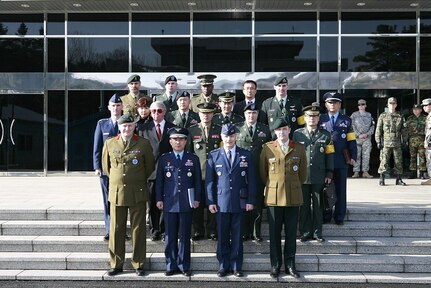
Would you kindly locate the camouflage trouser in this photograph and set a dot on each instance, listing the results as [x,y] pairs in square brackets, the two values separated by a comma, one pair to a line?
[428,156]
[416,148]
[385,157]
[364,150]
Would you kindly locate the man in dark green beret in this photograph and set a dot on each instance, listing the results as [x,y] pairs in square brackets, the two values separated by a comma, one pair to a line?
[282,105]
[207,95]
[226,116]
[130,100]
[128,161]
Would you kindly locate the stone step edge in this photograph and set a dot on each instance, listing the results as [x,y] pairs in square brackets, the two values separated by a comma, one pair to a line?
[129,275]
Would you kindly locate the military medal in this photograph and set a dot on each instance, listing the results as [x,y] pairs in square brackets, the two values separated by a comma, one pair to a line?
[343,135]
[198,146]
[322,149]
[295,168]
[243,173]
[135,161]
[189,174]
[168,174]
[215,145]
[271,120]
[293,119]
[219,173]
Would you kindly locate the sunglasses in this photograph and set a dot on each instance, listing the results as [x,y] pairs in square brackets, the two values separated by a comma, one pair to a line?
[160,111]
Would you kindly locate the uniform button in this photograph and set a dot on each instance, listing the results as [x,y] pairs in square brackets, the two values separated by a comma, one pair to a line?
[124,185]
[179,184]
[230,188]
[179,190]
[124,174]
[124,163]
[179,177]
[311,164]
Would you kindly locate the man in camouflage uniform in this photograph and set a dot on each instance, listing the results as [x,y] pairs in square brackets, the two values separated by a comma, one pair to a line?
[226,116]
[130,100]
[416,130]
[426,104]
[363,125]
[207,95]
[390,135]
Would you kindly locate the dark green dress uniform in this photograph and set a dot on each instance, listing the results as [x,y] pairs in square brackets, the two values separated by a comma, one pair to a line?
[170,101]
[320,157]
[192,118]
[291,111]
[284,175]
[128,168]
[201,145]
[221,119]
[254,143]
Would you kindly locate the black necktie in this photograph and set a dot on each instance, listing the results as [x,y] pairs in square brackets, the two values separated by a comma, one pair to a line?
[116,128]
[226,120]
[333,120]
[184,119]
[229,158]
[170,100]
[281,104]
[178,160]
[250,130]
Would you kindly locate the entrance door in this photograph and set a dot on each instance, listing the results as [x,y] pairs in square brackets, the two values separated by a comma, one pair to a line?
[21,133]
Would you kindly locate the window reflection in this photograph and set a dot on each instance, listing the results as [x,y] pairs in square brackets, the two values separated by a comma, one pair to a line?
[56,134]
[160,24]
[328,54]
[98,24]
[286,23]
[285,54]
[425,22]
[378,54]
[158,54]
[328,23]
[378,22]
[56,55]
[222,54]
[98,54]
[21,24]
[222,23]
[55,24]
[21,55]
[425,53]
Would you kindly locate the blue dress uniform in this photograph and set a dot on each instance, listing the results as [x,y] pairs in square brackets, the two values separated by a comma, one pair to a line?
[178,185]
[105,129]
[230,187]
[344,141]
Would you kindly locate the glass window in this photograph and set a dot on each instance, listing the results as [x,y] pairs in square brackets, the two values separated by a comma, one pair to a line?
[21,55]
[285,54]
[56,130]
[286,23]
[378,22]
[328,54]
[98,24]
[21,24]
[425,53]
[222,23]
[425,22]
[98,54]
[56,54]
[161,54]
[328,23]
[55,24]
[160,24]
[222,54]
[378,54]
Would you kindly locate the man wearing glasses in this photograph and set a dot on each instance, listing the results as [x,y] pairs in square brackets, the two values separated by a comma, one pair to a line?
[156,132]
[363,125]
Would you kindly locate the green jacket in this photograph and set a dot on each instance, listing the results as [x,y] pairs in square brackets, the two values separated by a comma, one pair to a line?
[391,130]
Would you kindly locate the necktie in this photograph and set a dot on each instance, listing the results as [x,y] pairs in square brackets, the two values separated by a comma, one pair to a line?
[170,100]
[229,158]
[250,130]
[178,160]
[333,120]
[206,132]
[184,119]
[159,132]
[249,102]
[116,128]
[226,120]
[281,104]
[312,134]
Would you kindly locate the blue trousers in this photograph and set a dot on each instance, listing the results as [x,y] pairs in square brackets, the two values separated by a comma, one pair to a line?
[229,244]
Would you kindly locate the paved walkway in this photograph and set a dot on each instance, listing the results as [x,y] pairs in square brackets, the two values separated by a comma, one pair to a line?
[83,192]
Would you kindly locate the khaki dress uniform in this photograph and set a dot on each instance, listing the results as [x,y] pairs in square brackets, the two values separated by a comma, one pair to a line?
[201,98]
[129,103]
[284,175]
[128,168]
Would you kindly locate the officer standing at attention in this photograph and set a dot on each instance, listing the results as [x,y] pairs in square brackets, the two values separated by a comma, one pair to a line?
[130,100]
[226,102]
[343,137]
[178,191]
[363,125]
[207,95]
[183,117]
[426,104]
[106,128]
[231,190]
[203,138]
[416,130]
[283,167]
[251,136]
[391,134]
[282,105]
[169,98]
[320,156]
[128,161]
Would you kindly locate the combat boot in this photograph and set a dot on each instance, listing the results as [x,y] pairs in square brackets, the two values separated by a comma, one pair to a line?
[399,181]
[382,180]
[355,175]
[366,175]
[422,175]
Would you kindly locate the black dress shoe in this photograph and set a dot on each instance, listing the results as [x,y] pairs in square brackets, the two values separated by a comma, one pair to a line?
[238,273]
[170,273]
[128,237]
[339,222]
[197,237]
[106,237]
[187,272]
[319,239]
[115,271]
[221,273]
[140,272]
[213,237]
[274,272]
[292,272]
[257,238]
[304,238]
[155,237]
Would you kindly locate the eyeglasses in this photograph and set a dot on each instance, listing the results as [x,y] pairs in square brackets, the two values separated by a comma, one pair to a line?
[160,111]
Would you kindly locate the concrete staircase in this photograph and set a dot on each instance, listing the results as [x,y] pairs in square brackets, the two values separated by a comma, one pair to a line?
[374,245]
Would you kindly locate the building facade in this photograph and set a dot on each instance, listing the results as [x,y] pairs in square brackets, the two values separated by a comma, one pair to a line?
[60,61]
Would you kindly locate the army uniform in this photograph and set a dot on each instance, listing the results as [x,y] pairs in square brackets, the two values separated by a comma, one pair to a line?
[283,174]
[170,101]
[391,134]
[416,132]
[191,119]
[362,123]
[207,79]
[128,168]
[320,156]
[129,103]
[201,145]
[427,141]
[290,110]
[254,143]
